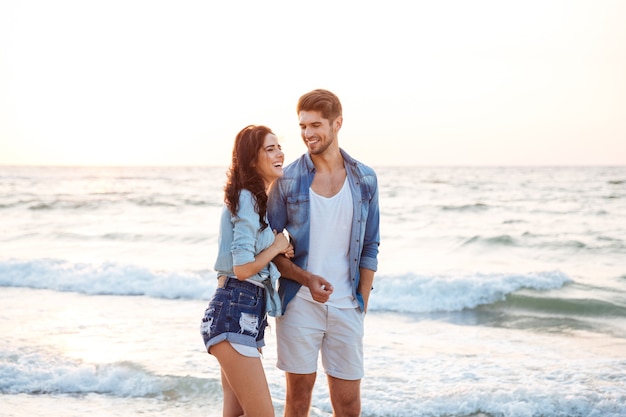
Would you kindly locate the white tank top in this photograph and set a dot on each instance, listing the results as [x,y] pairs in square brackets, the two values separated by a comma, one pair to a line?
[329,245]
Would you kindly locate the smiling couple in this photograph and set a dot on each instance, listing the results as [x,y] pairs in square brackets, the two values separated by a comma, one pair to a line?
[316,282]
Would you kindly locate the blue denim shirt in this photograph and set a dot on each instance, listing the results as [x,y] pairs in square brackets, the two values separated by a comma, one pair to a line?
[289,208]
[240,240]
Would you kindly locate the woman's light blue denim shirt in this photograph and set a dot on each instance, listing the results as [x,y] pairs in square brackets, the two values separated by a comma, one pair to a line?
[289,208]
[240,240]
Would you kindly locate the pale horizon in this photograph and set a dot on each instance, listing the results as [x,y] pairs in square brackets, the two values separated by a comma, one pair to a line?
[452,83]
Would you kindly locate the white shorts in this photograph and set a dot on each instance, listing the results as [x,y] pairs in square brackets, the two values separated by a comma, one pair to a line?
[308,327]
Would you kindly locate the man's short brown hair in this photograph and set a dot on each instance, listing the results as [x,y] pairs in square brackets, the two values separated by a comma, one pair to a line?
[320,100]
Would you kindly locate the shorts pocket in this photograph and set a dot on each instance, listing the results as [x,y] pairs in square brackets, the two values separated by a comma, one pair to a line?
[209,321]
[247,311]
[245,299]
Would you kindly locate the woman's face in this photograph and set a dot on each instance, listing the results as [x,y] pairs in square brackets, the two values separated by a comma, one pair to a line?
[270,159]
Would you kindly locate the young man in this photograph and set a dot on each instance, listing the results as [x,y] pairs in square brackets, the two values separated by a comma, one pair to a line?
[328,202]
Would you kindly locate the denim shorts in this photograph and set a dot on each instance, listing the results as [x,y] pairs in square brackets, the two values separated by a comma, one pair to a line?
[235,313]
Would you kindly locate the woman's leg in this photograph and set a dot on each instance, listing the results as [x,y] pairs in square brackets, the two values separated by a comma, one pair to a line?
[246,382]
[231,408]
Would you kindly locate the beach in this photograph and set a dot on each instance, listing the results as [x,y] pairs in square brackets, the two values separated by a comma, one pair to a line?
[500,292]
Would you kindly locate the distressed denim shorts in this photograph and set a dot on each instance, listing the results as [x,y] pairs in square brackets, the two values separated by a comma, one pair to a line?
[235,313]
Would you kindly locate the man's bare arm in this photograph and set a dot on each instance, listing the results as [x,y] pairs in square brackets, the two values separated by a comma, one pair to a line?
[319,287]
[365,285]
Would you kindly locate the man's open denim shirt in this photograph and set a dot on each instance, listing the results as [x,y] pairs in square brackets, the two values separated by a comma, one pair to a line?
[289,208]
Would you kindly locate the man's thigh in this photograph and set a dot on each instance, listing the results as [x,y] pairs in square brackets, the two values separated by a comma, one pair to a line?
[299,335]
[342,348]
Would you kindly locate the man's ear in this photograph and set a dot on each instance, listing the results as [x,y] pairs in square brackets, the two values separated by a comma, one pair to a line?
[338,122]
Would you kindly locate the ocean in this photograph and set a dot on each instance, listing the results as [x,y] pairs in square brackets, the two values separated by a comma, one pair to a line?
[500,292]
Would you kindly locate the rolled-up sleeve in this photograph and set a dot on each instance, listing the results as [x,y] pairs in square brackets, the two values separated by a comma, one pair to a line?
[245,228]
[371,239]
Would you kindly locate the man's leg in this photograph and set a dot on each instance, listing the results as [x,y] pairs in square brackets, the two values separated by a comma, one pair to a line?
[299,334]
[299,394]
[345,397]
[342,356]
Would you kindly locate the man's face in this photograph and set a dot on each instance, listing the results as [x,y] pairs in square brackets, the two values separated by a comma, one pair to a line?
[318,133]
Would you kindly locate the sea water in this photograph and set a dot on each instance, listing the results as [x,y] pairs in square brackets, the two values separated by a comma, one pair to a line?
[500,292]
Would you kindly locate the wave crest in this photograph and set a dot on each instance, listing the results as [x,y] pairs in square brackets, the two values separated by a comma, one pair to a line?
[401,293]
[426,294]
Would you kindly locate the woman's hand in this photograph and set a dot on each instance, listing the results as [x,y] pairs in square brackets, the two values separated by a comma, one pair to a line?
[289,252]
[281,242]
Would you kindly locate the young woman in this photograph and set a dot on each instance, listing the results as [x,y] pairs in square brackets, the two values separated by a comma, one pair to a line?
[234,323]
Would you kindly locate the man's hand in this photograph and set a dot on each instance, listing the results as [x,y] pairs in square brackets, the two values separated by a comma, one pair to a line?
[320,288]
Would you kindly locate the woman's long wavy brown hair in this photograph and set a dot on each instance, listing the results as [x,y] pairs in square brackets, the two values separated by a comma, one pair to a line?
[243,174]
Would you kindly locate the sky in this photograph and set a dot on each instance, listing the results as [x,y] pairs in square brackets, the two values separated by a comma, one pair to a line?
[450,82]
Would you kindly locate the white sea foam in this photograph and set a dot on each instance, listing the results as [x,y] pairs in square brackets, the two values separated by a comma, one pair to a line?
[422,294]
[43,373]
[108,278]
[402,293]
[461,371]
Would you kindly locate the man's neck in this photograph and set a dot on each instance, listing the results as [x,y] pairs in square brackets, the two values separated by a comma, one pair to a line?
[329,161]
